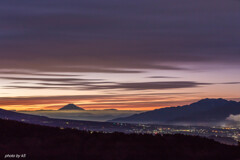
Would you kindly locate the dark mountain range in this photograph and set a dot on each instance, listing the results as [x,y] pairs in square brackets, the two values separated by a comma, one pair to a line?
[206,111]
[70,107]
[35,142]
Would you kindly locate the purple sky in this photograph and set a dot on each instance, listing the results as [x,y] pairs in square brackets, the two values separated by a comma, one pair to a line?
[112,47]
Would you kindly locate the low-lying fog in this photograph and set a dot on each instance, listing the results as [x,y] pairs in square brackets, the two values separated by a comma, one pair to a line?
[88,115]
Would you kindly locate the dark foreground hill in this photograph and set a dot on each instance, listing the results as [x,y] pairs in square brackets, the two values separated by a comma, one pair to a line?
[41,142]
[203,112]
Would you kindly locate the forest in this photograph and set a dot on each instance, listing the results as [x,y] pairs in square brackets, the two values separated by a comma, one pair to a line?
[42,143]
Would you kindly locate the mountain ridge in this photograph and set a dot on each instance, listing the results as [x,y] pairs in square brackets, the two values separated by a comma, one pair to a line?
[203,111]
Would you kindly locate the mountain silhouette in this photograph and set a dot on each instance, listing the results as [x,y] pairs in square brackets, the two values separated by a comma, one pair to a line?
[204,111]
[71,107]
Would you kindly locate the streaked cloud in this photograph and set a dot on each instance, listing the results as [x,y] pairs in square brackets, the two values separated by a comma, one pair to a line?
[49,79]
[16,72]
[118,36]
[151,85]
[231,83]
[98,85]
[160,77]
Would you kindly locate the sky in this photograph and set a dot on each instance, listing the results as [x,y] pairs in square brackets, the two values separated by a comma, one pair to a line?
[128,55]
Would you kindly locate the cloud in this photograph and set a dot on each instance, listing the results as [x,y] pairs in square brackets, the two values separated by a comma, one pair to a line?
[74,84]
[231,83]
[34,87]
[47,99]
[235,118]
[118,36]
[150,85]
[49,79]
[161,77]
[34,73]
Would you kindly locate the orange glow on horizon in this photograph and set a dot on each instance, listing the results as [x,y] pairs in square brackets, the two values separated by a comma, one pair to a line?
[119,102]
[57,106]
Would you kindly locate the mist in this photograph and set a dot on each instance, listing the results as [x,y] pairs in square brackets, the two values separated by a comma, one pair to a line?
[87,115]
